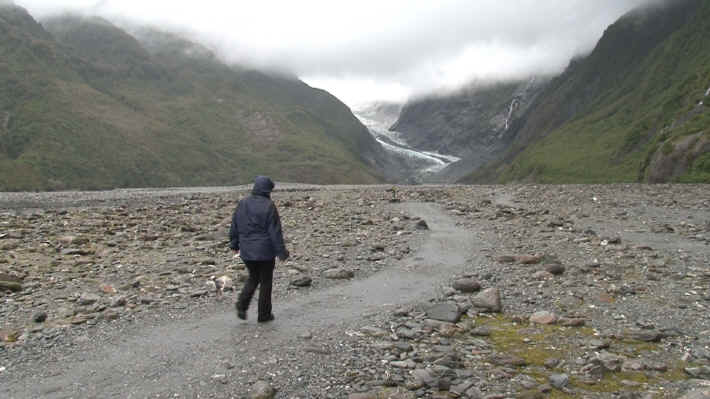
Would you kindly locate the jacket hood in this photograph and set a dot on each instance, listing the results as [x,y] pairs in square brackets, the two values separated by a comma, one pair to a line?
[263,186]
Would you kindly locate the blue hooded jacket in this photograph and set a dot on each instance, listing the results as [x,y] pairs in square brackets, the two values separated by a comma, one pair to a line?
[256,225]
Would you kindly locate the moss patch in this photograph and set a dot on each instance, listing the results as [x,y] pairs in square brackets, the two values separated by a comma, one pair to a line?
[537,344]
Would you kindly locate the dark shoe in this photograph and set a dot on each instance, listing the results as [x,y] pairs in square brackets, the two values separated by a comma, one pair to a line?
[266,319]
[242,314]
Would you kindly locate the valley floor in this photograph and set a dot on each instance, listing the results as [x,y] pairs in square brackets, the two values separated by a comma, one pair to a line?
[429,291]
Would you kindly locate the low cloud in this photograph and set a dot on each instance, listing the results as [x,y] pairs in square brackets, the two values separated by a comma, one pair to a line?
[379,50]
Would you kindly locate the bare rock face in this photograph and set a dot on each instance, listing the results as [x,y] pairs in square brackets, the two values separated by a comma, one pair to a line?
[675,158]
[476,124]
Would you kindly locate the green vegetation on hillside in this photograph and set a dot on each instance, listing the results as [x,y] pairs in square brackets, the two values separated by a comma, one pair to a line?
[609,114]
[91,106]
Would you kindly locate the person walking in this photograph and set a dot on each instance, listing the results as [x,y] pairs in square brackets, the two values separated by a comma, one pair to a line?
[256,236]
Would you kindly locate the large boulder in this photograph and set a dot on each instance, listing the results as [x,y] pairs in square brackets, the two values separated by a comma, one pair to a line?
[467,285]
[448,312]
[488,300]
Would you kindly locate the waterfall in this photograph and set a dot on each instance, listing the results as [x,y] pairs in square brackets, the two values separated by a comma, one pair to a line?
[513,105]
[707,93]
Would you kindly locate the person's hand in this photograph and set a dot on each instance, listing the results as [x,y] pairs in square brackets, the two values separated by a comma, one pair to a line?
[236,252]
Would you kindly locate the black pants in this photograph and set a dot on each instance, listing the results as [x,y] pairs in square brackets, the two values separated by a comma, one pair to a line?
[261,273]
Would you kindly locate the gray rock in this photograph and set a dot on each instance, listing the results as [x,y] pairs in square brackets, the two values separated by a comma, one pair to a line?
[488,300]
[65,312]
[447,312]
[541,275]
[10,286]
[572,322]
[474,393]
[76,251]
[481,332]
[146,300]
[221,378]
[39,317]
[702,372]
[632,365]
[702,393]
[508,360]
[598,344]
[593,369]
[262,390]
[373,331]
[9,245]
[467,285]
[555,268]
[338,274]
[302,281]
[404,364]
[88,299]
[425,377]
[403,347]
[10,283]
[559,381]
[319,350]
[422,225]
[111,315]
[118,301]
[408,333]
[543,317]
[611,361]
[645,335]
[461,389]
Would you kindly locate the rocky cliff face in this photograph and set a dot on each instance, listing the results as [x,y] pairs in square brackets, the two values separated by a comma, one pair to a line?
[476,124]
[607,118]
[676,158]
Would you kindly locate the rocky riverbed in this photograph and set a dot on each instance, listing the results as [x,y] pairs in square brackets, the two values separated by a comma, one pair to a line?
[568,291]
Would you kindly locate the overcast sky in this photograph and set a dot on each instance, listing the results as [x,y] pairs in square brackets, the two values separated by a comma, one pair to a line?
[370,50]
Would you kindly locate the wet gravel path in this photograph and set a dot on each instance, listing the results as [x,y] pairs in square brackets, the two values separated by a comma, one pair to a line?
[181,357]
[603,293]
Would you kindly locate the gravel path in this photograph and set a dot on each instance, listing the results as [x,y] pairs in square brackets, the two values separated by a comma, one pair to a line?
[510,292]
[178,357]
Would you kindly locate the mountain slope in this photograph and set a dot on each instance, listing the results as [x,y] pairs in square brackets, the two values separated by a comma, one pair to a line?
[93,106]
[617,115]
[476,124]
